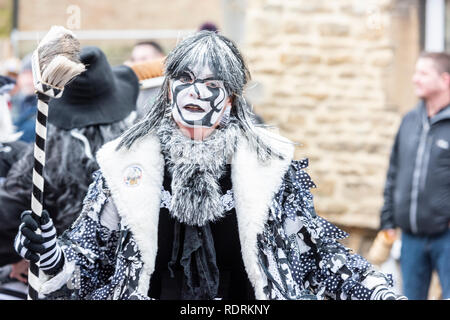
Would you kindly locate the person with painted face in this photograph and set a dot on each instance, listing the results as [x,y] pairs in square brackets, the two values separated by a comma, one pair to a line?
[199,102]
[198,202]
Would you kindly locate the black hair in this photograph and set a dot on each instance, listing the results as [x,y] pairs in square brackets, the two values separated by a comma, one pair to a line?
[151,43]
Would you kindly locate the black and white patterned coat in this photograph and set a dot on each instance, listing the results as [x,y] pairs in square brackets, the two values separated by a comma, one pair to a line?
[288,251]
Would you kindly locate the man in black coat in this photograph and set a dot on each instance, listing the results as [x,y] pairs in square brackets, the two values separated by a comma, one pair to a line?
[11,149]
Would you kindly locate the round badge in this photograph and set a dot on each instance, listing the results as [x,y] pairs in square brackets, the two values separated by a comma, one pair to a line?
[132,176]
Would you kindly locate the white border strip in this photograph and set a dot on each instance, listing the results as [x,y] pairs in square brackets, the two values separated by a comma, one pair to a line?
[435,25]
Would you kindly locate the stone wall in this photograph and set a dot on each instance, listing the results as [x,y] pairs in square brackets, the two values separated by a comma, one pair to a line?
[40,15]
[119,14]
[329,74]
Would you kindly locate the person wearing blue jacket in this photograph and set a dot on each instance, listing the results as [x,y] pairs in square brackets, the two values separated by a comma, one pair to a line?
[24,103]
[417,190]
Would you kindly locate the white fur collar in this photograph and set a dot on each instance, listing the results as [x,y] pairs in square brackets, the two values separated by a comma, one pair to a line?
[138,205]
[254,186]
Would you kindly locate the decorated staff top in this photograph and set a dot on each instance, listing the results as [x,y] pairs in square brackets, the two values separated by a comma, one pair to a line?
[56,61]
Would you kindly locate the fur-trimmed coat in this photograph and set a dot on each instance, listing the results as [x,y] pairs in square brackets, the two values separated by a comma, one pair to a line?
[288,251]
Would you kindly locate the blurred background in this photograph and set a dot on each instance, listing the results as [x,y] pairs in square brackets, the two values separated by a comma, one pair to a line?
[334,76]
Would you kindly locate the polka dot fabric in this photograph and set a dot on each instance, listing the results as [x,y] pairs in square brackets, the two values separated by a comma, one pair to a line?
[298,252]
[108,262]
[301,255]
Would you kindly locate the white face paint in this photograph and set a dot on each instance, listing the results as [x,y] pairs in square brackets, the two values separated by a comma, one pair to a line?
[198,99]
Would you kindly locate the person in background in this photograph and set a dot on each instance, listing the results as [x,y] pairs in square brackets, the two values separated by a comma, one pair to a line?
[146,51]
[11,149]
[24,102]
[10,67]
[147,54]
[417,189]
[7,86]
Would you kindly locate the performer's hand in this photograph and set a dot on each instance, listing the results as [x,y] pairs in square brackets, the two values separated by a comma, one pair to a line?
[39,247]
[19,271]
[392,233]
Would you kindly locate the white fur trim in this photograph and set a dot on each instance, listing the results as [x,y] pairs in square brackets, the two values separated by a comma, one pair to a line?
[110,216]
[51,284]
[138,205]
[254,185]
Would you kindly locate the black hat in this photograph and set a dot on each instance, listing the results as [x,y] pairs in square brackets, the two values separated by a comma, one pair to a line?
[99,95]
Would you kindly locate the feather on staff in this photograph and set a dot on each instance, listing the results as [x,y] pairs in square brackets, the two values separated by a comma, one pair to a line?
[55,62]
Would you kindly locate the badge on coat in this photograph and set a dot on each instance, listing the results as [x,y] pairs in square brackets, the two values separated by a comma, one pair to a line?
[133,176]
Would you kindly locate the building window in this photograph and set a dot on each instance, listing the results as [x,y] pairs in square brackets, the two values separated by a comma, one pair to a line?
[447,25]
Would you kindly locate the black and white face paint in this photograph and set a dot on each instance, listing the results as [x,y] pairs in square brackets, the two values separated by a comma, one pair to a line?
[198,99]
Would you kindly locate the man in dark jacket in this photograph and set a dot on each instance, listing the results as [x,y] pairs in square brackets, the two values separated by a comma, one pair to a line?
[417,191]
[11,149]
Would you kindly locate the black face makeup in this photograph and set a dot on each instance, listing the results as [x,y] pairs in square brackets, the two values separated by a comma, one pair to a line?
[198,99]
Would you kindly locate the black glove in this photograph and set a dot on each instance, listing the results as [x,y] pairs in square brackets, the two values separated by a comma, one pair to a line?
[39,247]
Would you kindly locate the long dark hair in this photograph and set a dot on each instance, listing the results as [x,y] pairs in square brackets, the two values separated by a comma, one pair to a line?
[225,60]
[68,170]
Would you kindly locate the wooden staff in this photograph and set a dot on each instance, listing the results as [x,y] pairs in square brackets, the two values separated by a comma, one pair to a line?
[55,62]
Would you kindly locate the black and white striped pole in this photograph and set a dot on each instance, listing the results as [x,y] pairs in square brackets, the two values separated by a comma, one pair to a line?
[54,63]
[37,197]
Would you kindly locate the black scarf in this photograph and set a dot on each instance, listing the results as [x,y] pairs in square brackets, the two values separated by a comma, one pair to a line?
[198,260]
